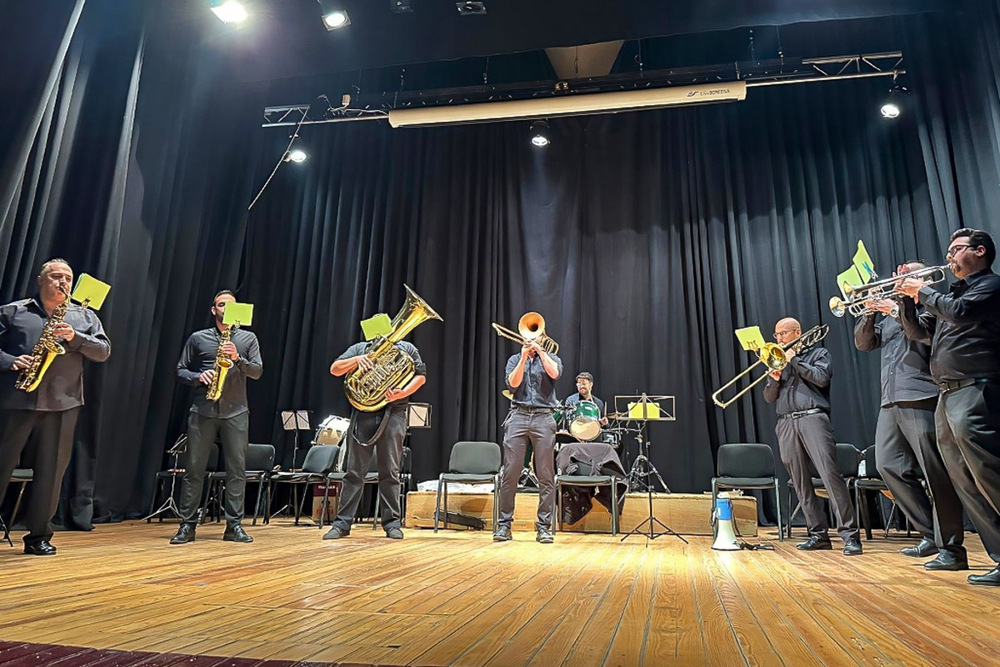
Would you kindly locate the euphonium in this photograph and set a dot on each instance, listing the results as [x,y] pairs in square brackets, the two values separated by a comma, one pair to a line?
[45,351]
[222,365]
[392,368]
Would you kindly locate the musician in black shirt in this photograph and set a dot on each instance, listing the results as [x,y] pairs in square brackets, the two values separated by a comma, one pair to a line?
[963,329]
[905,445]
[801,393]
[228,417]
[51,410]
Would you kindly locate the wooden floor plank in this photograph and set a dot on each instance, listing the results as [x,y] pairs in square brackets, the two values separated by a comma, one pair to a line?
[458,598]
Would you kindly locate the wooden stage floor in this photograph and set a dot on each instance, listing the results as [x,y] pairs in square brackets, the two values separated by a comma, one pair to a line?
[456,598]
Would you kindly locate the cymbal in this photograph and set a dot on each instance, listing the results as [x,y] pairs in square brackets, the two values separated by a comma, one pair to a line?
[506,393]
[617,415]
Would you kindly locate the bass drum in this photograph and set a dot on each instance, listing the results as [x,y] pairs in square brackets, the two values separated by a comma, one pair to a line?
[332,430]
[585,421]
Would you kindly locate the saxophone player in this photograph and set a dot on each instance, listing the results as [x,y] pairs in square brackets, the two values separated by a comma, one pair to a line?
[30,330]
[206,354]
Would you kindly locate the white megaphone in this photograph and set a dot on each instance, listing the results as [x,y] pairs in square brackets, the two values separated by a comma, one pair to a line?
[725,537]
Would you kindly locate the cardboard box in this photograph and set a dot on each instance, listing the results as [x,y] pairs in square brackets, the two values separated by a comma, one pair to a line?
[317,503]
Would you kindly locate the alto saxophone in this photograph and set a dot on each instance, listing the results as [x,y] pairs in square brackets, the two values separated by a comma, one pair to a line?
[45,351]
[222,365]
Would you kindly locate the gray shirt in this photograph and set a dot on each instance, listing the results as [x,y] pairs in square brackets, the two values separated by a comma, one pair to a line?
[804,384]
[962,327]
[199,356]
[21,324]
[537,389]
[906,376]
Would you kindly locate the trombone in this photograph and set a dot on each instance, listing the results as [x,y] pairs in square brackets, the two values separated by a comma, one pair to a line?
[530,329]
[773,356]
[856,296]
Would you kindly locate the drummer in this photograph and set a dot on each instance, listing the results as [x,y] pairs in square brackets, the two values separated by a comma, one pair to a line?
[585,392]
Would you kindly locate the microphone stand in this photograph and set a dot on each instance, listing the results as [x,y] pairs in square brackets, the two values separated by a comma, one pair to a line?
[169,505]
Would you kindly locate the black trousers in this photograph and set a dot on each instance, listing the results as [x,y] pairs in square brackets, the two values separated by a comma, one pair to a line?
[905,445]
[810,438]
[202,432]
[388,450]
[968,434]
[522,429]
[48,457]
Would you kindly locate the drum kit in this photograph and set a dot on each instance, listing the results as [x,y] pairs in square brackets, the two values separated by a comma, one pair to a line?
[581,422]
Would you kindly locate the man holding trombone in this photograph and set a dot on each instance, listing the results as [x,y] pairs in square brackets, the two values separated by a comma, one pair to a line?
[963,329]
[801,393]
[904,434]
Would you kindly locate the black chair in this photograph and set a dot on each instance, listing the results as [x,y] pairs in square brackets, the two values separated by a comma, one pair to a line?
[259,462]
[593,481]
[865,484]
[319,461]
[470,462]
[747,465]
[848,458]
[22,476]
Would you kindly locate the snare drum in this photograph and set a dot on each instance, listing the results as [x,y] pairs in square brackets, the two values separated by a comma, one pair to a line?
[585,421]
[331,430]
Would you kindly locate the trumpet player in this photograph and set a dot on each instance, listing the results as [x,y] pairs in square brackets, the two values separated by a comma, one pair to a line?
[50,411]
[531,377]
[801,394]
[963,329]
[227,417]
[905,444]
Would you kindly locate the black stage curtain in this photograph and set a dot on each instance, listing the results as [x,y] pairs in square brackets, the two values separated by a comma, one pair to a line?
[644,239]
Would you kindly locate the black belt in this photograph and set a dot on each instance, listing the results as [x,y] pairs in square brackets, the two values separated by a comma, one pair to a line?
[944,386]
[532,409]
[803,413]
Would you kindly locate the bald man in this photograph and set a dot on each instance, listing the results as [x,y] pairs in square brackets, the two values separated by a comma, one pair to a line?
[801,393]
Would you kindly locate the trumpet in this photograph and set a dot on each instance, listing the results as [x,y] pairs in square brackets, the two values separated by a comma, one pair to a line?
[530,329]
[856,296]
[774,357]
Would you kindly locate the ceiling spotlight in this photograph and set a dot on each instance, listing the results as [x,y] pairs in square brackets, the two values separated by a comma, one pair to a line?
[539,133]
[334,15]
[296,155]
[893,105]
[470,8]
[401,6]
[228,11]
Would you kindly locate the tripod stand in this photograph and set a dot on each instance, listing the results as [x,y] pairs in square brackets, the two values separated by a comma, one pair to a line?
[169,505]
[646,410]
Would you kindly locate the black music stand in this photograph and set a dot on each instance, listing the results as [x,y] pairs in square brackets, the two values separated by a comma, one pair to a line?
[169,505]
[295,421]
[648,410]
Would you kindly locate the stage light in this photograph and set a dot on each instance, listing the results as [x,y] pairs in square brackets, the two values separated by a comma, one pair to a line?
[401,6]
[539,133]
[893,105]
[296,155]
[470,8]
[229,11]
[334,15]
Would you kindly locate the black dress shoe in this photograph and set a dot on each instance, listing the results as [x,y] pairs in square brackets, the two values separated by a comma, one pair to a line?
[40,548]
[815,543]
[235,533]
[394,533]
[502,534]
[543,535]
[922,549]
[183,535]
[991,578]
[335,534]
[948,560]
[852,547]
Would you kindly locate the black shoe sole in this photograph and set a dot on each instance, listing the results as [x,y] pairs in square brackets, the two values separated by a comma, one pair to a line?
[949,568]
[235,539]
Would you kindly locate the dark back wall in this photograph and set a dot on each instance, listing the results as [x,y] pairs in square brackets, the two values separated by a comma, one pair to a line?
[644,239]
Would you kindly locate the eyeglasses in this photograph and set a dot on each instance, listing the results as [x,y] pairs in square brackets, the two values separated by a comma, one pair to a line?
[952,251]
[778,334]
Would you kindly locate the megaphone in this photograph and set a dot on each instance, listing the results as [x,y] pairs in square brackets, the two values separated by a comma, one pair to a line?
[725,537]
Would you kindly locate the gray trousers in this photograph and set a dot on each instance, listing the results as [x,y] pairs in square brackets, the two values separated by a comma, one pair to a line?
[968,434]
[48,455]
[388,450]
[905,445]
[202,432]
[539,429]
[810,438]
